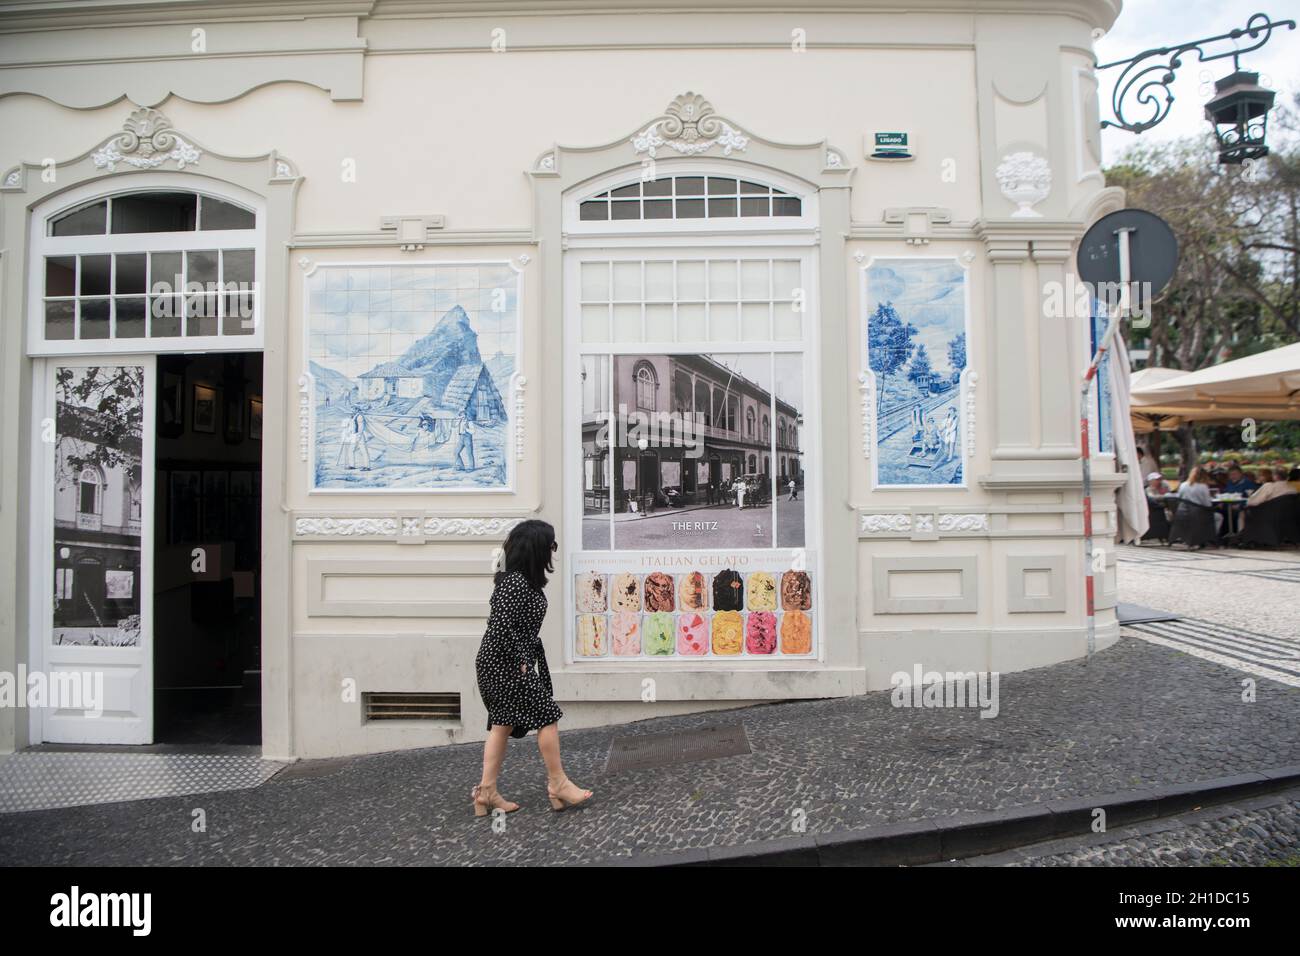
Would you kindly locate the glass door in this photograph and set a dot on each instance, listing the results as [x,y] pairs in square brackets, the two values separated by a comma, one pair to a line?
[94,543]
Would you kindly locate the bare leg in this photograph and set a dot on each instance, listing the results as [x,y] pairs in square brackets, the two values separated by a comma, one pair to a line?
[494,753]
[548,743]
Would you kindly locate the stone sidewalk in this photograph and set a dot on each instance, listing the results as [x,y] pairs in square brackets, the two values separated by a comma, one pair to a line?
[1139,715]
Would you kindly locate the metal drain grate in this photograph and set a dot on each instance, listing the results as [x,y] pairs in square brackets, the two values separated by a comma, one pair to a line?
[386,705]
[644,751]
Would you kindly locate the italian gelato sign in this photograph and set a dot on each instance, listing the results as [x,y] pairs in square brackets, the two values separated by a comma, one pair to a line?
[716,605]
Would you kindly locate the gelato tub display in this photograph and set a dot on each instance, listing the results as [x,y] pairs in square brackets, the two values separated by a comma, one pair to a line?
[727,631]
[657,634]
[625,634]
[761,592]
[692,593]
[592,636]
[760,632]
[735,606]
[659,592]
[590,591]
[796,633]
[796,591]
[692,634]
[728,591]
[626,593]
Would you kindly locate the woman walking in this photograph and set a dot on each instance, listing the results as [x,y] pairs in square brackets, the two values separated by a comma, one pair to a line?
[513,678]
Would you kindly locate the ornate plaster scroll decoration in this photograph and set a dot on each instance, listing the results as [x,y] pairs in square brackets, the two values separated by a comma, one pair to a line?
[304,416]
[834,159]
[146,142]
[690,127]
[469,527]
[1026,179]
[520,382]
[867,389]
[886,524]
[546,163]
[923,523]
[972,380]
[951,523]
[344,527]
[14,178]
[412,527]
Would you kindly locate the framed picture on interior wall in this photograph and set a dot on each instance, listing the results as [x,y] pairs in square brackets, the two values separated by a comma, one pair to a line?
[205,409]
[171,405]
[233,420]
[411,371]
[915,326]
[255,419]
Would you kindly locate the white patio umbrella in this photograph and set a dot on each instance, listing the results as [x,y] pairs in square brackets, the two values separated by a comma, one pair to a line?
[1130,497]
[1265,386]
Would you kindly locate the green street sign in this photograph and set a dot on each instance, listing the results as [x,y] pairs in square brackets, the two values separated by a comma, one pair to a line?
[891,146]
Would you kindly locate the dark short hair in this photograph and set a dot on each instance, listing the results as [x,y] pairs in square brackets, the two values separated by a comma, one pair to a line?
[528,551]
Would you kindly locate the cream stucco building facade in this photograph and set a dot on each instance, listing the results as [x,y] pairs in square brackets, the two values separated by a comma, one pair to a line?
[590,183]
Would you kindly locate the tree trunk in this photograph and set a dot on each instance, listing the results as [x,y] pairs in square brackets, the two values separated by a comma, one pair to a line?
[1187,440]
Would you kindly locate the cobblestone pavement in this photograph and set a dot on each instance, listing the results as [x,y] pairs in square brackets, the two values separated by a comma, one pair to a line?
[1262,832]
[1138,715]
[1258,591]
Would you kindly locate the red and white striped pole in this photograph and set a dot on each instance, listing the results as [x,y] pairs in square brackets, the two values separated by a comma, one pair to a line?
[1085,447]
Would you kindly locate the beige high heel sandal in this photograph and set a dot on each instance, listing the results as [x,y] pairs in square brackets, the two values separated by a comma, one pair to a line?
[494,801]
[559,803]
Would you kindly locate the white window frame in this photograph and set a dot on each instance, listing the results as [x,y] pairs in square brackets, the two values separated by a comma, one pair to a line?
[808,347]
[727,229]
[41,245]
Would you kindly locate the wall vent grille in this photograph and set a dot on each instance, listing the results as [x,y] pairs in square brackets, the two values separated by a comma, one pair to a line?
[392,705]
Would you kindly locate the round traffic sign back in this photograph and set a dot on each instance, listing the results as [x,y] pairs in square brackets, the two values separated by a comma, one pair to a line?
[1152,249]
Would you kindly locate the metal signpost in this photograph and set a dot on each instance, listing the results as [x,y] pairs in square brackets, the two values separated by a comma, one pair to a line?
[1126,248]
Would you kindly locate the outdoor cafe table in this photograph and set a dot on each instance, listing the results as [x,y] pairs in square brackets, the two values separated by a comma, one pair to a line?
[1227,503]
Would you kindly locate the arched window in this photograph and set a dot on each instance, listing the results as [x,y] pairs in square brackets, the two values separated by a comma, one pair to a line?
[646,384]
[90,486]
[767,428]
[691,197]
[146,265]
[780,433]
[753,464]
[749,422]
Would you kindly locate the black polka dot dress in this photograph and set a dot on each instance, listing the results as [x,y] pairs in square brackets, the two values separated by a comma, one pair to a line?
[524,701]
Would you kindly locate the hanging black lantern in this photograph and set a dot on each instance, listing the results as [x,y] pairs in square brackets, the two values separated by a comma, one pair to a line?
[1239,114]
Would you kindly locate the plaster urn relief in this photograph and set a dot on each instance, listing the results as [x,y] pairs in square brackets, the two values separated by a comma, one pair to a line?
[1026,179]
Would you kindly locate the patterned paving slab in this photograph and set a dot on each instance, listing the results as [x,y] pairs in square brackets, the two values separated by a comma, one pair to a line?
[1273,657]
[44,781]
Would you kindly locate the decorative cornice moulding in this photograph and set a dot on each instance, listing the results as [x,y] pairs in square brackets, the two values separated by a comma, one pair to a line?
[922,522]
[148,142]
[409,527]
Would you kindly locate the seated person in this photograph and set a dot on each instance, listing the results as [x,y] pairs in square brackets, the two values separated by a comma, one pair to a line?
[1238,483]
[1196,489]
[1157,487]
[1276,488]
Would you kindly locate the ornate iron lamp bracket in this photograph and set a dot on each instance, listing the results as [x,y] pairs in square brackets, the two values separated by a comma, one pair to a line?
[1145,80]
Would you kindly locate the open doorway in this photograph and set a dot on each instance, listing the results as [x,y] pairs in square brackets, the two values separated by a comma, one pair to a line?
[207,549]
